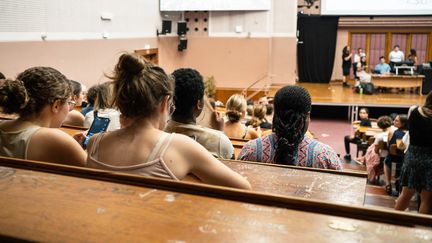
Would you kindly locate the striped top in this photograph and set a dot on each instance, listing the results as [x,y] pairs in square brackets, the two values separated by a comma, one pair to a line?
[310,153]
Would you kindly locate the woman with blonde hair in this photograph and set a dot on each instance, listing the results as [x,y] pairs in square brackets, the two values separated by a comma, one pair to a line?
[259,117]
[236,112]
[41,96]
[143,94]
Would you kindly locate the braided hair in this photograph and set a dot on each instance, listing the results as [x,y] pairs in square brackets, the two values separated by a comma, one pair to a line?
[292,105]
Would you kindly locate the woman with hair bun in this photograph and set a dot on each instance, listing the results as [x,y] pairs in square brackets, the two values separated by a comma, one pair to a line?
[41,96]
[235,112]
[288,144]
[143,94]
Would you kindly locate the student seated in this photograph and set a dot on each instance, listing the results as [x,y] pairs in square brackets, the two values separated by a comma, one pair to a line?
[104,107]
[382,67]
[91,97]
[363,76]
[236,112]
[74,117]
[189,103]
[364,122]
[401,124]
[143,94]
[259,117]
[288,144]
[41,96]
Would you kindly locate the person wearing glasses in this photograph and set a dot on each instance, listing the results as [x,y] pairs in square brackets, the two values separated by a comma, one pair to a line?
[41,96]
[189,101]
[144,96]
[75,118]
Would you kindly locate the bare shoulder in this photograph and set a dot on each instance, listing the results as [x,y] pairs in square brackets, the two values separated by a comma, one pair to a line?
[74,118]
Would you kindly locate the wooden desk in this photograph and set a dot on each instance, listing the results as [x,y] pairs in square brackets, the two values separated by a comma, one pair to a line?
[72,130]
[309,183]
[238,144]
[398,81]
[40,206]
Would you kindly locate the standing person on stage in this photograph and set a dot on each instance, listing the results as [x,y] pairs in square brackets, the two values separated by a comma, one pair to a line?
[382,67]
[360,53]
[396,56]
[346,65]
[413,56]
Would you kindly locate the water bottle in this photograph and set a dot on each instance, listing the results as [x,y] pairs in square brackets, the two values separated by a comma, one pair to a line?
[361,90]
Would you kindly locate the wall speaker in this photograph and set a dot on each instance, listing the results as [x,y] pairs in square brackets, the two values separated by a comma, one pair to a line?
[182,45]
[166,27]
[181,28]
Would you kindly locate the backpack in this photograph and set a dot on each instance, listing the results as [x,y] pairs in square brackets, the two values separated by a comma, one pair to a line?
[365,88]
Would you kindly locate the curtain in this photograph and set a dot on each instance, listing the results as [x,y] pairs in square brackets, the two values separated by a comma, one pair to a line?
[316,47]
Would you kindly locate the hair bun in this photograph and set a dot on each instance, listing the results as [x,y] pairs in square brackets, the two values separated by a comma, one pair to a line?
[233,115]
[131,64]
[13,96]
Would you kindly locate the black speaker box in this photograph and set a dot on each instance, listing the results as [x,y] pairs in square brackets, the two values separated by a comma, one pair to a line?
[166,27]
[427,81]
[181,28]
[182,45]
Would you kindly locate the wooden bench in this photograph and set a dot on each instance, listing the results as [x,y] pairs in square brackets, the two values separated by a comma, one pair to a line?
[52,203]
[238,144]
[302,182]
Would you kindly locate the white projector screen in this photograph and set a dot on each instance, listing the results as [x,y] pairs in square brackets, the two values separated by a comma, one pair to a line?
[214,5]
[376,7]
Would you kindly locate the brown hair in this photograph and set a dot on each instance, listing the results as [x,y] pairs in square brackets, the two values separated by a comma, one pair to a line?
[33,89]
[104,96]
[427,107]
[236,107]
[259,115]
[384,122]
[139,86]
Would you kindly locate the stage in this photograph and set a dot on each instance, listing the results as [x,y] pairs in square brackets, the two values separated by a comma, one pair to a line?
[334,94]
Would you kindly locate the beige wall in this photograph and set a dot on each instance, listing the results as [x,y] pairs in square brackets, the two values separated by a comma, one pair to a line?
[84,61]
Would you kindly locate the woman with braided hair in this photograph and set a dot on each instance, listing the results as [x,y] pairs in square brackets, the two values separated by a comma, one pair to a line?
[288,144]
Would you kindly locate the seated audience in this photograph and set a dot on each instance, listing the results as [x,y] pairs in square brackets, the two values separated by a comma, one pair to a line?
[269,112]
[91,97]
[235,112]
[382,67]
[104,107]
[416,173]
[74,117]
[356,139]
[189,103]
[41,96]
[362,75]
[401,124]
[288,144]
[2,76]
[259,117]
[143,94]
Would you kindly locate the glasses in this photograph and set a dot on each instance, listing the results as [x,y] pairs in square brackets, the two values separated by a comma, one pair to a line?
[171,108]
[71,104]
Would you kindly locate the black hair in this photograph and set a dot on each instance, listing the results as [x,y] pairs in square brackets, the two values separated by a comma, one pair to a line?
[91,94]
[189,88]
[365,109]
[345,51]
[2,76]
[403,119]
[413,52]
[292,106]
[381,57]
[396,46]
[269,109]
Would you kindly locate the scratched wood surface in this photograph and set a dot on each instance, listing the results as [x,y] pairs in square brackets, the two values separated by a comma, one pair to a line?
[41,206]
[308,184]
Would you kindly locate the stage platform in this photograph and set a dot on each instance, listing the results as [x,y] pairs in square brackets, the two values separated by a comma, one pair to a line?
[334,94]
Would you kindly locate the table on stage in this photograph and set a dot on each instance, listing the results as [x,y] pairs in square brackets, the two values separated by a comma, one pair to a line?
[397,81]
